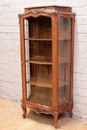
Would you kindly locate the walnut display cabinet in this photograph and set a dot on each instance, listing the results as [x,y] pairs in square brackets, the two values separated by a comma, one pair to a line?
[47,44]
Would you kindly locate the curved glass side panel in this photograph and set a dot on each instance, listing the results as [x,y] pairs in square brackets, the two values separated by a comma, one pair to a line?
[64,59]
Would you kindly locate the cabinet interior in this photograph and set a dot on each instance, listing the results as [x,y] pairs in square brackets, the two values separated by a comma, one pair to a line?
[38,49]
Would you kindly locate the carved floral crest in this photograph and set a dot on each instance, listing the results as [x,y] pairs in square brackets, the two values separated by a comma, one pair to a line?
[35,11]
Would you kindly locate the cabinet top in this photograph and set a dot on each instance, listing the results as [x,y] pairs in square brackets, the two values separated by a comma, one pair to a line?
[58,8]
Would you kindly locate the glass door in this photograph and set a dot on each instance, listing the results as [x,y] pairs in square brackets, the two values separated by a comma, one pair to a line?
[38,49]
[64,59]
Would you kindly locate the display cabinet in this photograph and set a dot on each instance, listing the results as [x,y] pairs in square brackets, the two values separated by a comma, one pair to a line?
[47,44]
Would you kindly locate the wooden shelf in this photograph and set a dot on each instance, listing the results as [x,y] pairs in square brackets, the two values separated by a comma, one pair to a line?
[40,99]
[63,60]
[45,99]
[45,61]
[45,39]
[43,82]
[40,60]
[64,39]
[63,83]
[63,100]
[38,39]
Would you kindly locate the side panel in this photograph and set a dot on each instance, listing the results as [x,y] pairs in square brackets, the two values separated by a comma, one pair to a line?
[66,49]
[23,62]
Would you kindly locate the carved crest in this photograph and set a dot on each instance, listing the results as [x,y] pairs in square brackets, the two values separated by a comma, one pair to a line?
[35,11]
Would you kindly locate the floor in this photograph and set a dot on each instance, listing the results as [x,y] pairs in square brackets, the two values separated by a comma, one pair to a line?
[11,119]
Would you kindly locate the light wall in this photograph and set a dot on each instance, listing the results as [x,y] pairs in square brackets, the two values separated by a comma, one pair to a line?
[10,67]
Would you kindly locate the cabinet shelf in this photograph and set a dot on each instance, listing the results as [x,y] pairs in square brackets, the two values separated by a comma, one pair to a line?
[45,61]
[43,82]
[63,60]
[40,98]
[40,60]
[45,39]
[63,100]
[38,39]
[63,83]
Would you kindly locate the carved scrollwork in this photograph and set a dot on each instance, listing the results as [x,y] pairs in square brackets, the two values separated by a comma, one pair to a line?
[39,110]
[35,11]
[56,17]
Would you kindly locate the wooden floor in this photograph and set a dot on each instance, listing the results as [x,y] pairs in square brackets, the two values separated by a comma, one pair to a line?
[11,119]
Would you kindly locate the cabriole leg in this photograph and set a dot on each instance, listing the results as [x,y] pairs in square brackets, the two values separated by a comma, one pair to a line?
[55,118]
[24,110]
[70,113]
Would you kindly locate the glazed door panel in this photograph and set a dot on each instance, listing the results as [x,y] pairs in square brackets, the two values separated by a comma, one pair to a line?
[38,48]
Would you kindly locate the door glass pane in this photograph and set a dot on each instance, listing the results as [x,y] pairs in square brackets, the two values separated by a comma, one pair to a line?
[38,49]
[64,59]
